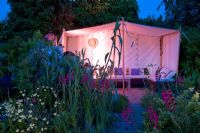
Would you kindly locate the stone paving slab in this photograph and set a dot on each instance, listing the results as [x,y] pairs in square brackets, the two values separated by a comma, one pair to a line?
[131,119]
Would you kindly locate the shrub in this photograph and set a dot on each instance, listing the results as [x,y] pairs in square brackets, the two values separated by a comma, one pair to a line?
[184,118]
[190,57]
[120,104]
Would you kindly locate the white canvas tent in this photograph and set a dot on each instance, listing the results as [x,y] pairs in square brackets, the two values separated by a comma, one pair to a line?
[143,45]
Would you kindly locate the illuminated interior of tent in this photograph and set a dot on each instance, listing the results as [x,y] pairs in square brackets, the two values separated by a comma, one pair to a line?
[143,45]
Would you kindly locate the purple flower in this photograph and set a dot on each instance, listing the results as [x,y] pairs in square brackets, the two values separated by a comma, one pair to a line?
[153,116]
[68,77]
[85,78]
[169,100]
[51,37]
[34,100]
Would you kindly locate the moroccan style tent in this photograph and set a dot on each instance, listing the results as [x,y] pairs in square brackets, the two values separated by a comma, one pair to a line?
[143,45]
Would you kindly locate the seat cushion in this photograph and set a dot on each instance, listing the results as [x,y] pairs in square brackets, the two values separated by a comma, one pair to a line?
[118,71]
[171,74]
[135,71]
[161,73]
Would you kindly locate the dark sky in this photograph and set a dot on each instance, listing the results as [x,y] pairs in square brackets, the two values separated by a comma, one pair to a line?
[147,7]
[4,9]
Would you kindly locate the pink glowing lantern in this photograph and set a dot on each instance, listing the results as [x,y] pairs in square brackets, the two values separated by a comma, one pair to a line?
[93,42]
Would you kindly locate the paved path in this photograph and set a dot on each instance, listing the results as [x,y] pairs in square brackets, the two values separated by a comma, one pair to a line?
[131,119]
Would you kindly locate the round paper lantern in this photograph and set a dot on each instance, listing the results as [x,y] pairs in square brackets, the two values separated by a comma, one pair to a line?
[93,42]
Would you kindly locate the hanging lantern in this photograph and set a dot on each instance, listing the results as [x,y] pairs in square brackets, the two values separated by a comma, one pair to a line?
[93,42]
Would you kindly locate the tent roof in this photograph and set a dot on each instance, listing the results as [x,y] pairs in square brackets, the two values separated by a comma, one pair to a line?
[129,27]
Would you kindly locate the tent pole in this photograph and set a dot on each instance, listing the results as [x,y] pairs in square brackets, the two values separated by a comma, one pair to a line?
[161,51]
[123,54]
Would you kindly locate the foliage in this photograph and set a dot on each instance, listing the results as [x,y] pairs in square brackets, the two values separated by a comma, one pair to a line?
[29,112]
[189,56]
[152,21]
[190,50]
[101,12]
[185,117]
[120,104]
[3,31]
[38,66]
[14,51]
[57,93]
[40,80]
[27,16]
[181,12]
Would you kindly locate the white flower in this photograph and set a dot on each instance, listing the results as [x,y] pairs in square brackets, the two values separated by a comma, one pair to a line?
[45,90]
[22,131]
[42,103]
[42,129]
[44,119]
[191,89]
[38,88]
[47,122]
[30,111]
[20,120]
[34,95]
[40,100]
[28,129]
[20,111]
[23,94]
[55,95]
[31,104]
[196,96]
[22,116]
[51,88]
[55,114]
[29,116]
[45,128]
[20,101]
[17,130]
[32,125]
